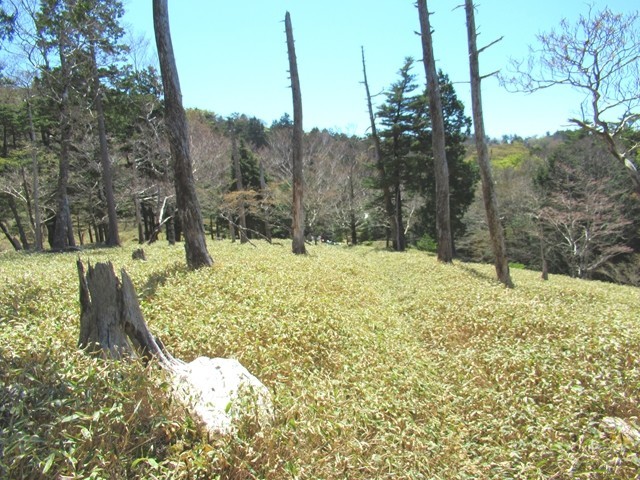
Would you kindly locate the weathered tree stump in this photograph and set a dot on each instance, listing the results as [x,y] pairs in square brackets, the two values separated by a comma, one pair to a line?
[111,322]
[219,391]
[138,254]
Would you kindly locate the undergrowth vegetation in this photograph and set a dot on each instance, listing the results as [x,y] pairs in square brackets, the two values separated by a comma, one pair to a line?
[381,365]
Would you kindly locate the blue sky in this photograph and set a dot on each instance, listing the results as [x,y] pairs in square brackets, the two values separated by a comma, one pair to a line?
[232,56]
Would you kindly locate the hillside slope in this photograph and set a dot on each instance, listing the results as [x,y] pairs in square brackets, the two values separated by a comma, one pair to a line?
[382,365]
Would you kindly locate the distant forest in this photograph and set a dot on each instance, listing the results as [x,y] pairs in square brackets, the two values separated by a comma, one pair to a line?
[566,205]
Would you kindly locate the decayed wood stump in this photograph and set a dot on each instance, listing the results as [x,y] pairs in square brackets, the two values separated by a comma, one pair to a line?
[219,391]
[111,322]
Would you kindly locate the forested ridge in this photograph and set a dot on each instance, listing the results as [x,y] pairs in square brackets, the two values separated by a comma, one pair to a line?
[85,151]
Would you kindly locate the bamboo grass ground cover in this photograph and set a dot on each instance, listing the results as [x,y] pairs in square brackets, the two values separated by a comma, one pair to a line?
[382,365]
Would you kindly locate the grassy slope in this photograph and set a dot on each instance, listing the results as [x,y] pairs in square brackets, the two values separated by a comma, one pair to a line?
[382,365]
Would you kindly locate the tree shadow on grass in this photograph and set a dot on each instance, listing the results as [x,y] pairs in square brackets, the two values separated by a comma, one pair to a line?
[158,279]
[468,268]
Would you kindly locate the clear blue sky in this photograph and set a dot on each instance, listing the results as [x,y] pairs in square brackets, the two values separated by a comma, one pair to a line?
[232,56]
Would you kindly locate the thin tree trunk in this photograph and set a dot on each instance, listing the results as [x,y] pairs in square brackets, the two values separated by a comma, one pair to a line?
[186,198]
[171,229]
[27,197]
[235,157]
[496,232]
[386,193]
[15,243]
[352,214]
[16,216]
[441,169]
[80,232]
[113,238]
[263,192]
[36,181]
[232,231]
[62,235]
[298,246]
[399,242]
[136,203]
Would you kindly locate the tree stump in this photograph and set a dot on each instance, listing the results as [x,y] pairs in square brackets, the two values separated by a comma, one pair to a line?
[138,254]
[219,391]
[111,322]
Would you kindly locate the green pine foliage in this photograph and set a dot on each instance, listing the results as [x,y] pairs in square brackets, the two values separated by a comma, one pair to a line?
[381,366]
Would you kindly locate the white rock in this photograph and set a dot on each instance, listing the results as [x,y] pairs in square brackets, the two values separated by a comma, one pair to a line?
[221,391]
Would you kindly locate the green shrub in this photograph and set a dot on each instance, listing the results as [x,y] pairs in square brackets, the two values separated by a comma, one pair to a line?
[427,244]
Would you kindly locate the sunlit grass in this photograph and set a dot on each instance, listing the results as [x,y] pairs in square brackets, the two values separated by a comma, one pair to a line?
[382,365]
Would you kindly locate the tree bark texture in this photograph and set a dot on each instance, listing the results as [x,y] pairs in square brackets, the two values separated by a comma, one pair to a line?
[62,237]
[441,169]
[386,193]
[113,237]
[175,117]
[111,322]
[496,232]
[298,246]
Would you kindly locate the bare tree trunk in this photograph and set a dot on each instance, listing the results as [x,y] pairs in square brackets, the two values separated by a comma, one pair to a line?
[62,236]
[386,193]
[186,198]
[232,231]
[36,181]
[235,157]
[14,241]
[441,168]
[298,246]
[113,237]
[16,217]
[352,213]
[27,197]
[496,232]
[263,191]
[136,203]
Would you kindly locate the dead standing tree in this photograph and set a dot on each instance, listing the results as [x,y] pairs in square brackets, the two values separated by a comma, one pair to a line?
[186,198]
[298,189]
[386,194]
[441,169]
[496,232]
